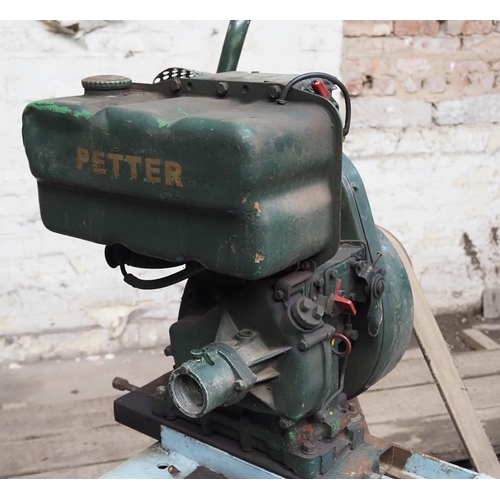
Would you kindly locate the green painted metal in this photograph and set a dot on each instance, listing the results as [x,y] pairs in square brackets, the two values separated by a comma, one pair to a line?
[238,184]
[380,354]
[233,45]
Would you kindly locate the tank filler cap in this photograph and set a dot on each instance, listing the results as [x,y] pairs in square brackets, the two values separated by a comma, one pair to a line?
[106,82]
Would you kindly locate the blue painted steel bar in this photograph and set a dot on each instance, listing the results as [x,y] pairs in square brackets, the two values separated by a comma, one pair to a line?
[178,456]
[154,463]
[424,467]
[214,459]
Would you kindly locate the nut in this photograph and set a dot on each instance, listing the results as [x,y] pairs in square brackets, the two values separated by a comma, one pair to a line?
[308,447]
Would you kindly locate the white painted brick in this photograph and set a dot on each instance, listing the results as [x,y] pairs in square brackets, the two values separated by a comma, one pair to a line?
[429,201]
[390,112]
[371,142]
[469,110]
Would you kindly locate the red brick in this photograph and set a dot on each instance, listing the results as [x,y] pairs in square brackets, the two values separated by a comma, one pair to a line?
[436,45]
[374,46]
[367,66]
[415,28]
[469,27]
[360,47]
[355,87]
[367,28]
[454,27]
[435,84]
[413,65]
[393,44]
[478,43]
[412,85]
[485,81]
[384,86]
[478,27]
[458,82]
[467,67]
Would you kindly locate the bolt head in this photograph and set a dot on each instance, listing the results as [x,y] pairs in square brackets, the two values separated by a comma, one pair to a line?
[175,84]
[318,313]
[168,351]
[279,295]
[308,448]
[306,305]
[239,385]
[303,345]
[183,370]
[222,88]
[274,91]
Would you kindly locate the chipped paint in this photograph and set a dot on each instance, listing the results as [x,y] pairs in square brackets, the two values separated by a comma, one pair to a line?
[52,106]
[259,258]
[182,111]
[163,123]
[257,207]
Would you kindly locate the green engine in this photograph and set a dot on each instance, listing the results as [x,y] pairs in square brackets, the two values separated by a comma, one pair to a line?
[295,302]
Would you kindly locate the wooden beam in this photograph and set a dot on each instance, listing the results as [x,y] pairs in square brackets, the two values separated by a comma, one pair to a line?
[446,376]
[412,372]
[478,340]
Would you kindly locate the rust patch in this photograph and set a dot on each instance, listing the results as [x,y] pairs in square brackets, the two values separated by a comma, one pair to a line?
[257,207]
[309,429]
[259,258]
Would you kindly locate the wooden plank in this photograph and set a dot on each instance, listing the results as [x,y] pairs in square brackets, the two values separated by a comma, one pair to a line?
[415,371]
[424,400]
[94,471]
[447,378]
[52,382]
[487,327]
[436,435]
[78,447]
[412,353]
[478,340]
[39,420]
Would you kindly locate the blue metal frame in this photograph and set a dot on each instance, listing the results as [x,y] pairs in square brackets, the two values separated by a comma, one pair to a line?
[178,455]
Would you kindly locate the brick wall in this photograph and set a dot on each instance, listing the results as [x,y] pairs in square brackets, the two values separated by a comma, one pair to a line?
[57,295]
[426,139]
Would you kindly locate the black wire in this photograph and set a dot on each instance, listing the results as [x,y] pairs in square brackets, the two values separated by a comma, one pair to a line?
[190,270]
[326,76]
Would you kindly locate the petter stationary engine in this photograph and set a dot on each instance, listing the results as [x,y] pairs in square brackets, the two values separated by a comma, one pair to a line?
[295,302]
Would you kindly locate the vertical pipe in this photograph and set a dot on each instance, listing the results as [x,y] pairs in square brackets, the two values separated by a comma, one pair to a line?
[233,43]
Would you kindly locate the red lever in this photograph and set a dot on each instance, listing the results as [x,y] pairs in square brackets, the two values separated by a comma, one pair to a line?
[320,88]
[345,306]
